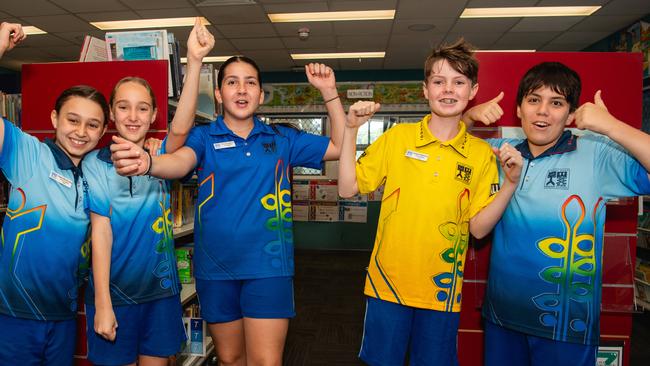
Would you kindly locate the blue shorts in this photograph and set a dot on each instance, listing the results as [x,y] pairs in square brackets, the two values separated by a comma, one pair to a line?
[28,342]
[390,328]
[152,328]
[509,347]
[224,301]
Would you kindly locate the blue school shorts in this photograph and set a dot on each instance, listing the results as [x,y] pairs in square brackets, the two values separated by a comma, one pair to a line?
[505,347]
[224,301]
[28,342]
[390,330]
[152,328]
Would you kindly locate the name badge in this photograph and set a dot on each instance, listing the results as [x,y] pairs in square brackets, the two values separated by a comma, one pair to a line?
[416,155]
[224,145]
[60,179]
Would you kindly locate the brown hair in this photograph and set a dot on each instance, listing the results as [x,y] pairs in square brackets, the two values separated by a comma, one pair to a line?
[137,80]
[459,55]
[82,91]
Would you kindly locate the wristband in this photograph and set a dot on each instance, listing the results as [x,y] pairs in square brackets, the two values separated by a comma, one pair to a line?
[331,99]
[150,163]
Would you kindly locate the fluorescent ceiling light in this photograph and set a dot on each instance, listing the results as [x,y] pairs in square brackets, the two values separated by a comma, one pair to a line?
[209,59]
[323,56]
[534,11]
[148,23]
[31,30]
[505,50]
[332,16]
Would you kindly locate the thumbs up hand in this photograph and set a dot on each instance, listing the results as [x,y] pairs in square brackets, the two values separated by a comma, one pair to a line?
[488,112]
[595,117]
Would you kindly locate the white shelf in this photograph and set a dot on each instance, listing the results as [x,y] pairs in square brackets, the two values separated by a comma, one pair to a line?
[188,292]
[642,229]
[186,229]
[204,117]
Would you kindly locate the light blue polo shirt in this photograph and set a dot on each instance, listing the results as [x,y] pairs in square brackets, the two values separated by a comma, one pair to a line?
[143,265]
[546,260]
[243,220]
[44,251]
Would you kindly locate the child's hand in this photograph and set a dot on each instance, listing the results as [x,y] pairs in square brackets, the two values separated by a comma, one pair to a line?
[595,117]
[360,112]
[106,324]
[128,158]
[200,42]
[488,112]
[10,35]
[511,162]
[153,145]
[320,76]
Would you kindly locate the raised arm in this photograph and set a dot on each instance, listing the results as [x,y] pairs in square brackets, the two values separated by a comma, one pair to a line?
[130,159]
[105,323]
[199,44]
[359,113]
[511,163]
[322,78]
[10,35]
[488,112]
[595,117]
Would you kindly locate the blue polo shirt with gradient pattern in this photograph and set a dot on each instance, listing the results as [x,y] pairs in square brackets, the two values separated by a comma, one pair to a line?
[546,260]
[143,264]
[243,221]
[44,252]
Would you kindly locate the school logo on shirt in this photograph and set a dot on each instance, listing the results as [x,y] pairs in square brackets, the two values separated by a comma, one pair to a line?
[269,147]
[557,179]
[463,173]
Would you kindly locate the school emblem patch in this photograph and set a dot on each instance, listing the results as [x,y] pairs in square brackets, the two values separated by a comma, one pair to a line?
[557,179]
[463,173]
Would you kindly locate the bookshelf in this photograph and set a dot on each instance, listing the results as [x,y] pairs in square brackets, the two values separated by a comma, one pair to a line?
[201,117]
[184,230]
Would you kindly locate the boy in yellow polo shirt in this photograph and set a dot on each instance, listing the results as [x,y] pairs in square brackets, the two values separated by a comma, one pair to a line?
[441,184]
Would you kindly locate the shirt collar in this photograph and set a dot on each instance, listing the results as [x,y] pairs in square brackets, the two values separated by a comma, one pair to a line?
[62,159]
[424,136]
[104,154]
[566,143]
[218,127]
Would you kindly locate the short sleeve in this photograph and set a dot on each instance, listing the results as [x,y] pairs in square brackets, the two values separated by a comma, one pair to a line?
[372,165]
[618,173]
[307,150]
[196,141]
[19,153]
[95,171]
[488,183]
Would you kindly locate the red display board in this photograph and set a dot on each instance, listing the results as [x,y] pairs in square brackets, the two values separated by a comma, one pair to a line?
[42,84]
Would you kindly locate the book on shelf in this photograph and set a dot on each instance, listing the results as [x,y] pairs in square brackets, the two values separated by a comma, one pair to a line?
[196,337]
[184,264]
[140,45]
[11,107]
[93,50]
[175,64]
[183,198]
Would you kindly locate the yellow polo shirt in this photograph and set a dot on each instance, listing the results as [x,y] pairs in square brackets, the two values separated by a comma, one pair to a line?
[432,189]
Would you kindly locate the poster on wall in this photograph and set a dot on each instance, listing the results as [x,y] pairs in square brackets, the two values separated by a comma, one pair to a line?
[353,211]
[325,211]
[300,210]
[609,356]
[300,190]
[325,190]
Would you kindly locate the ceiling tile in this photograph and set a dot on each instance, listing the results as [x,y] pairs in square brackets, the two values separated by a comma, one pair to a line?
[347,5]
[59,23]
[156,4]
[569,47]
[235,14]
[311,43]
[483,40]
[248,44]
[363,27]
[300,7]
[66,53]
[362,43]
[572,2]
[406,58]
[107,16]
[605,23]
[168,13]
[524,40]
[246,30]
[47,40]
[625,7]
[441,25]
[585,38]
[426,41]
[500,3]
[414,9]
[20,8]
[316,29]
[78,37]
[85,6]
[482,25]
[270,60]
[546,24]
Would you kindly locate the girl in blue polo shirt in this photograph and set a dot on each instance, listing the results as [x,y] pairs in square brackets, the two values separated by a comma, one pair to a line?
[45,248]
[243,257]
[134,282]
